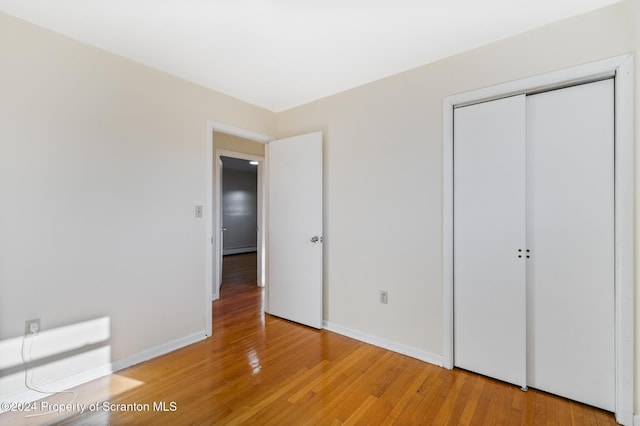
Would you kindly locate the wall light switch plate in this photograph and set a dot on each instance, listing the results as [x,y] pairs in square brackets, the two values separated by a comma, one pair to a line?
[198,211]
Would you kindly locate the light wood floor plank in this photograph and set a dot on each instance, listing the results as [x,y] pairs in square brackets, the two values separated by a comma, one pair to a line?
[261,370]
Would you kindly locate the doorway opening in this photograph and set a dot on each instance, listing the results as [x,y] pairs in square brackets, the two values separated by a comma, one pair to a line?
[225,140]
[239,212]
[295,198]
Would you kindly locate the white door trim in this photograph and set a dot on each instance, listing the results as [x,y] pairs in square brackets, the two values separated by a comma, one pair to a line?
[209,206]
[620,67]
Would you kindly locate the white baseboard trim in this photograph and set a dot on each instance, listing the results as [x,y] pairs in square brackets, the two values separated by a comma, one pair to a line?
[386,344]
[239,250]
[95,373]
[636,420]
[157,351]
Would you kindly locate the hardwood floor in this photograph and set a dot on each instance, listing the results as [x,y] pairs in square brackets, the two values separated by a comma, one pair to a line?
[261,370]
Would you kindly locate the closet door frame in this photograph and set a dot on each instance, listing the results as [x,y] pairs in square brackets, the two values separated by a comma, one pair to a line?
[621,69]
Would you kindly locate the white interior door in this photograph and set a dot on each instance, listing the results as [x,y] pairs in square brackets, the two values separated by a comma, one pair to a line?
[295,229]
[489,239]
[570,197]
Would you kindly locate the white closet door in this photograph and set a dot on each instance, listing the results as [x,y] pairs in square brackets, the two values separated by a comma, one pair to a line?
[570,232]
[489,227]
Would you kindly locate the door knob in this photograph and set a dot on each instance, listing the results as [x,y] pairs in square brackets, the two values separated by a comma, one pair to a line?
[315,239]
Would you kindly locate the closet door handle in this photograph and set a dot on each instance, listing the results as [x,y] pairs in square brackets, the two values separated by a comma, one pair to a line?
[520,253]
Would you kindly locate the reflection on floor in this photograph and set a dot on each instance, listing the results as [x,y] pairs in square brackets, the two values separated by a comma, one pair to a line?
[260,370]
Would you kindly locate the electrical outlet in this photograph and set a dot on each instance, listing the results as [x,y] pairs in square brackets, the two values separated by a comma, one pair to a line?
[32,326]
[384,296]
[198,211]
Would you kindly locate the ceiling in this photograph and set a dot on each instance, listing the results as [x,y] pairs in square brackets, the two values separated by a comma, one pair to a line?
[279,54]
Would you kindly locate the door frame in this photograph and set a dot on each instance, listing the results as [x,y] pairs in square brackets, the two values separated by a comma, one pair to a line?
[210,178]
[621,68]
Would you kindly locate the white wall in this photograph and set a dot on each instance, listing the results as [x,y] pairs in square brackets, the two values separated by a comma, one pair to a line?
[234,143]
[102,162]
[383,165]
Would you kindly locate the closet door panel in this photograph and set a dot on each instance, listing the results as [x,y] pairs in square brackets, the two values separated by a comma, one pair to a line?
[570,232]
[489,226]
